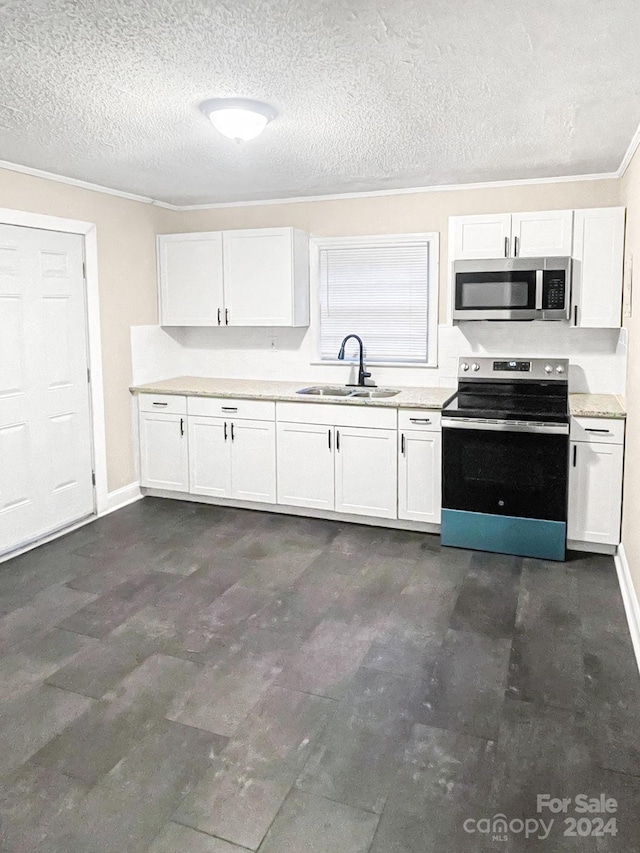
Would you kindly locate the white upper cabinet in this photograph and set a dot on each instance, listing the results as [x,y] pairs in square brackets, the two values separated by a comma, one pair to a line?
[598,257]
[190,279]
[257,277]
[546,233]
[485,236]
[266,277]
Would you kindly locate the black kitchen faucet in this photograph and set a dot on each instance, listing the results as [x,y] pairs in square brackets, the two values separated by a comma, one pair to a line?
[362,373]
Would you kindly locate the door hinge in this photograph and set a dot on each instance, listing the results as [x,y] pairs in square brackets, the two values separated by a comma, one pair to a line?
[93,477]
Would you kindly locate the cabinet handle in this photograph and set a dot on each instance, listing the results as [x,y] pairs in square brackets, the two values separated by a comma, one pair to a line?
[160,404]
[575,315]
[225,430]
[506,247]
[575,454]
[219,323]
[229,408]
[420,420]
[516,246]
[226,316]
[329,437]
[233,438]
[601,431]
[181,426]
[402,444]
[338,440]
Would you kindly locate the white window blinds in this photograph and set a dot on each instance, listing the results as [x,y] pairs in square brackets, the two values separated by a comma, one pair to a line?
[380,291]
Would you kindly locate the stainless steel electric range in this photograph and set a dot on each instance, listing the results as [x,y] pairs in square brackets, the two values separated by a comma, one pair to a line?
[505,457]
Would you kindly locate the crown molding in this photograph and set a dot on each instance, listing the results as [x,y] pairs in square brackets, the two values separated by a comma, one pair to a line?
[177,208]
[631,150]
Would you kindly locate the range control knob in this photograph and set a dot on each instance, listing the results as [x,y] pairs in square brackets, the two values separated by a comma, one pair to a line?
[560,368]
[475,367]
[548,368]
[464,366]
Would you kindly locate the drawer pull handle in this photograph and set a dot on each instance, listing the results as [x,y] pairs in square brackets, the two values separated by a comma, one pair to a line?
[229,408]
[601,431]
[160,404]
[420,420]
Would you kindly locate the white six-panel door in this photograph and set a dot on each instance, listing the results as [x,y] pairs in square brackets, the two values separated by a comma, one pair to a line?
[45,419]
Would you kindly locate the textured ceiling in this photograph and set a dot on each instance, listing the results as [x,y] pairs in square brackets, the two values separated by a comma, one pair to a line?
[373,94]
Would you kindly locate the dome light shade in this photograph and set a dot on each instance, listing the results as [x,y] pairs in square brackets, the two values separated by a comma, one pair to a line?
[238,118]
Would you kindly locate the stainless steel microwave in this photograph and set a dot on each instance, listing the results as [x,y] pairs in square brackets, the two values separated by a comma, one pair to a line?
[512,289]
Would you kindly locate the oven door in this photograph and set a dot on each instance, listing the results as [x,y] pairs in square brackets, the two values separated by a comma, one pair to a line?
[498,295]
[505,486]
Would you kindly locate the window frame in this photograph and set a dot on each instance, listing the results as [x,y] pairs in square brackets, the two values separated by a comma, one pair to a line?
[316,244]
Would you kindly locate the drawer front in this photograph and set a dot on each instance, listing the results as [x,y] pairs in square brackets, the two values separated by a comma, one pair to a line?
[170,403]
[603,430]
[219,407]
[420,419]
[337,414]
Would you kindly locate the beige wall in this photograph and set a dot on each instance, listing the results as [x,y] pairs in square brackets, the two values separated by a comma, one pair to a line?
[127,268]
[398,214]
[126,251]
[631,519]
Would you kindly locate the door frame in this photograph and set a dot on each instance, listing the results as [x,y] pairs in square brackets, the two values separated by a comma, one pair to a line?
[88,231]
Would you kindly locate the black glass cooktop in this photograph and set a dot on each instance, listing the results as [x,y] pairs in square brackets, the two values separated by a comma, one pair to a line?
[520,401]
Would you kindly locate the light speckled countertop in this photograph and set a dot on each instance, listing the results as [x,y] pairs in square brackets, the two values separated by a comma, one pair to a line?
[582,405]
[597,406]
[249,389]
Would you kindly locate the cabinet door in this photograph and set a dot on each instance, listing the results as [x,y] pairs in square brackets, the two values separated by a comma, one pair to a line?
[258,277]
[163,452]
[595,492]
[486,236]
[367,471]
[419,476]
[209,456]
[253,461]
[597,267]
[190,279]
[305,465]
[543,233]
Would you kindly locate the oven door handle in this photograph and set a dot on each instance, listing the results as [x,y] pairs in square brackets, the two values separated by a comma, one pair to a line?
[506,426]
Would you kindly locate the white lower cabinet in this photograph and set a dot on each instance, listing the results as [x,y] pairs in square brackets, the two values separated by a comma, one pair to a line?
[419,476]
[366,471]
[595,481]
[164,460]
[253,461]
[232,459]
[209,457]
[305,465]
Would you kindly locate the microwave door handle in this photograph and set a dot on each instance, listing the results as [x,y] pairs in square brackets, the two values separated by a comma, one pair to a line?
[539,290]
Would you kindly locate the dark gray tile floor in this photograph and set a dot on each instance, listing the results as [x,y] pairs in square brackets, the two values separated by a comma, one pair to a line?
[180,678]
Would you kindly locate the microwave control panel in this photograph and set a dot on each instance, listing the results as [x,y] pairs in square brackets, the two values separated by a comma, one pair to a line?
[554,290]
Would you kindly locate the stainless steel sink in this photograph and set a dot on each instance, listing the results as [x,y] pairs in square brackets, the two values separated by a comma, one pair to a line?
[375,393]
[342,391]
[325,391]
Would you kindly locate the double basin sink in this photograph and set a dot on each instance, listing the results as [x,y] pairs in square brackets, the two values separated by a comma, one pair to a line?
[351,393]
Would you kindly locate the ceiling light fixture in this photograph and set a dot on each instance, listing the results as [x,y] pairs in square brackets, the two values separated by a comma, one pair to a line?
[238,118]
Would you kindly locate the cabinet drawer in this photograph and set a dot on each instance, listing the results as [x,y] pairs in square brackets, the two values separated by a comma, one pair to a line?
[171,403]
[603,430]
[420,419]
[338,414]
[219,407]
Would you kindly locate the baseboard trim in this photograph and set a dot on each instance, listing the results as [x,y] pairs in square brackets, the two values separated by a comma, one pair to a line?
[630,599]
[303,512]
[120,498]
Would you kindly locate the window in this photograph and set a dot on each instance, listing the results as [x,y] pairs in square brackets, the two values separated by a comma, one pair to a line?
[383,289]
